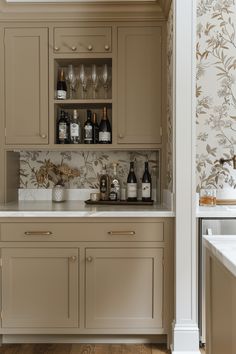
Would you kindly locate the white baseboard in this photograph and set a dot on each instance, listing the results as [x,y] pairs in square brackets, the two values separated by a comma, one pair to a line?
[12,338]
[185,339]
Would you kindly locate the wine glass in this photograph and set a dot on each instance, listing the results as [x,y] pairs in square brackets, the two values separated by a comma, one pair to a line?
[83,78]
[105,79]
[94,79]
[72,79]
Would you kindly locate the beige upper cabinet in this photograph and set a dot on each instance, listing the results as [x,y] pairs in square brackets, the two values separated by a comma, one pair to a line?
[26,85]
[139,85]
[39,287]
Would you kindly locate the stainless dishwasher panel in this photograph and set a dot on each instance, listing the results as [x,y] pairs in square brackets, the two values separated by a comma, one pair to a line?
[212,226]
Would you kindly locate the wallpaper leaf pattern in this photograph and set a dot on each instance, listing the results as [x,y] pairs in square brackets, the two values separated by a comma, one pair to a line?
[81,169]
[216,92]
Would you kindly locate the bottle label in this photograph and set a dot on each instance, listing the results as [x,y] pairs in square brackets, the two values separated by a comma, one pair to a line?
[88,133]
[74,130]
[131,190]
[63,131]
[105,136]
[146,190]
[61,95]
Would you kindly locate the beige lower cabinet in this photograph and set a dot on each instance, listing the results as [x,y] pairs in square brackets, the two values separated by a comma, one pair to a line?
[124,288]
[39,287]
[106,276]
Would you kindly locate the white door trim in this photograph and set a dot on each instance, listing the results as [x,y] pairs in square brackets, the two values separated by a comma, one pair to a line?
[185,327]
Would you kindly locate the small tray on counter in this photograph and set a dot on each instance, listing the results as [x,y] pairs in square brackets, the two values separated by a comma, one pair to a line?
[118,202]
[225,201]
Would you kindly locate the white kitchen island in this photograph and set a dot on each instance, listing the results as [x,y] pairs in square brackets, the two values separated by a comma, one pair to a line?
[221,294]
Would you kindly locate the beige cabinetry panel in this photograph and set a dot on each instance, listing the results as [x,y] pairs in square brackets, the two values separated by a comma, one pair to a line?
[109,231]
[97,276]
[39,287]
[26,85]
[82,40]
[124,288]
[139,85]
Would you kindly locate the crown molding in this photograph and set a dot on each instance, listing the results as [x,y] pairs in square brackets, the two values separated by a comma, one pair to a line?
[94,10]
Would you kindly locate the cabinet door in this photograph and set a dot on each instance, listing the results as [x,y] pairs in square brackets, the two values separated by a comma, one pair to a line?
[26,85]
[139,85]
[124,288]
[39,287]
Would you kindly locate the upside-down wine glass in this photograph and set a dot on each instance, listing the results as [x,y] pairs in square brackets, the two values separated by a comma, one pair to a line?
[83,78]
[105,79]
[72,79]
[94,79]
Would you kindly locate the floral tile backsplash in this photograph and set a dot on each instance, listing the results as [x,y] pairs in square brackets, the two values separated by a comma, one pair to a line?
[216,92]
[81,169]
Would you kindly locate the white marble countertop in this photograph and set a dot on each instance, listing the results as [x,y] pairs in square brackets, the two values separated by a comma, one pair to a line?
[80,209]
[224,249]
[218,211]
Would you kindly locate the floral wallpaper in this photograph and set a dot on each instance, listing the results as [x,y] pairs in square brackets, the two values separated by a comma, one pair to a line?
[170,66]
[216,92]
[81,169]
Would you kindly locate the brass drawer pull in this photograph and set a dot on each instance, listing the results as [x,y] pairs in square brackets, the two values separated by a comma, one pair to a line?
[38,233]
[120,233]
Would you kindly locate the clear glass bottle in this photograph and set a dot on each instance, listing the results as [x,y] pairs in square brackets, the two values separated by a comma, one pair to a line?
[75,130]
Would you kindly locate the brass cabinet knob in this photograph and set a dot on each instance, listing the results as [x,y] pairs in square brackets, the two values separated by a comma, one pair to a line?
[43,136]
[89,259]
[73,48]
[90,47]
[56,49]
[107,47]
[73,258]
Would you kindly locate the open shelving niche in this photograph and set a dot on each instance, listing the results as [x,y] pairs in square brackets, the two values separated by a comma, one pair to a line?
[82,101]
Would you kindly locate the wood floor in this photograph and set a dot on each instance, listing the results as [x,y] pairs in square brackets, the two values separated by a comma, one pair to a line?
[84,349]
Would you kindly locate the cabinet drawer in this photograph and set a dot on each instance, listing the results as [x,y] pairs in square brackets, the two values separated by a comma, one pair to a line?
[109,231]
[82,40]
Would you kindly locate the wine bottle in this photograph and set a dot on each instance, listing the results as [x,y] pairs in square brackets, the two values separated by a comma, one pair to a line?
[104,184]
[63,129]
[75,133]
[146,184]
[61,85]
[131,184]
[88,129]
[104,129]
[95,129]
[115,180]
